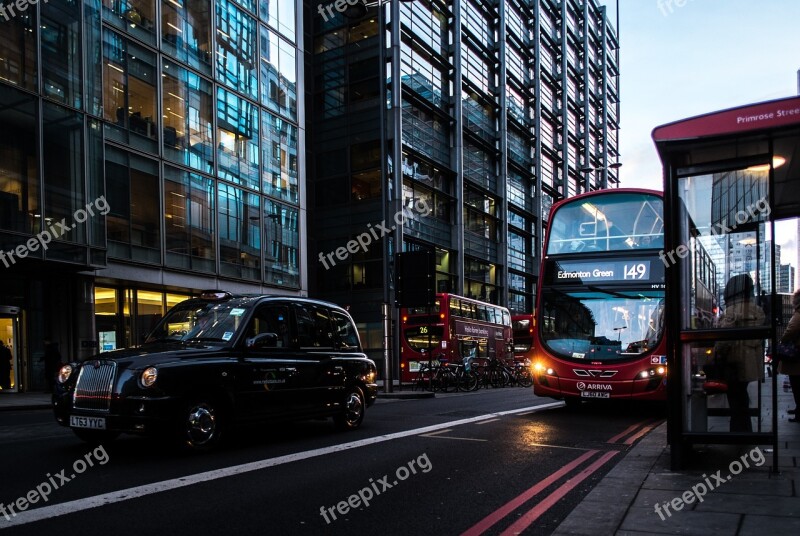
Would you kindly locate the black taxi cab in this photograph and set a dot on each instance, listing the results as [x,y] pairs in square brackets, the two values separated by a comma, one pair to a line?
[218,360]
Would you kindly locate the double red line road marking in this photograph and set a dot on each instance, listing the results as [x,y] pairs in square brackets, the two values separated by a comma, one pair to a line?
[534,513]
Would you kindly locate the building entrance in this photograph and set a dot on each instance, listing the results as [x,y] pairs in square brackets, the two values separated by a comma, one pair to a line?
[9,336]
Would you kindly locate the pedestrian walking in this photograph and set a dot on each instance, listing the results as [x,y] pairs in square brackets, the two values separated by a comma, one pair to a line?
[792,368]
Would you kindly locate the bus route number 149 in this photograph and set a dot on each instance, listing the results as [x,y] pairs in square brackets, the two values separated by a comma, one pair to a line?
[634,271]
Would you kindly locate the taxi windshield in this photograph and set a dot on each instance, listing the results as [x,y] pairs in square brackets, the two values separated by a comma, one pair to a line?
[215,322]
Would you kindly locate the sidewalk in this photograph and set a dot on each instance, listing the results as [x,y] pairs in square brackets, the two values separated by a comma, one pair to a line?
[753,502]
[17,401]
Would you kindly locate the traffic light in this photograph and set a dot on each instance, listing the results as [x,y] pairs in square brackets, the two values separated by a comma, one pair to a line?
[415,279]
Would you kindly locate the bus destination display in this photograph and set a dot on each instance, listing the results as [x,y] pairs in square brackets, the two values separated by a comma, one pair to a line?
[637,270]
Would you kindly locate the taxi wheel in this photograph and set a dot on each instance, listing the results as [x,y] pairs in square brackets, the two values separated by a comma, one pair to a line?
[95,437]
[202,425]
[353,411]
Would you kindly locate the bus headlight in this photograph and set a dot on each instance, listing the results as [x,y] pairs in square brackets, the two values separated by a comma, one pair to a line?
[658,371]
[64,373]
[149,376]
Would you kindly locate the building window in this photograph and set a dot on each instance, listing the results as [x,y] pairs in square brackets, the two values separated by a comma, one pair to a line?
[136,17]
[18,50]
[479,166]
[185,32]
[188,137]
[61,52]
[129,95]
[280,15]
[480,280]
[133,222]
[282,244]
[239,232]
[280,157]
[278,74]
[19,174]
[237,40]
[237,135]
[64,180]
[518,248]
[189,220]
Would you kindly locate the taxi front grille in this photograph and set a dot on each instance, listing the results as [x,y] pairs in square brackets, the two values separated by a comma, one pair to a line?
[93,389]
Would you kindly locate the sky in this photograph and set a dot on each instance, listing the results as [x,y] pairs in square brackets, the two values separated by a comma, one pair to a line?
[682,58]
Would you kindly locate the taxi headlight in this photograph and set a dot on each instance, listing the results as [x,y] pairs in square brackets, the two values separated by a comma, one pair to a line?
[64,373]
[149,376]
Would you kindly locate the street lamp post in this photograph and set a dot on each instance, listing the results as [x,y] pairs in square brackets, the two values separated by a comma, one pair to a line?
[587,169]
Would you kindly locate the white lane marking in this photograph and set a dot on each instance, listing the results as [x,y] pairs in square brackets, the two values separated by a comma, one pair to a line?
[490,420]
[452,437]
[437,433]
[71,507]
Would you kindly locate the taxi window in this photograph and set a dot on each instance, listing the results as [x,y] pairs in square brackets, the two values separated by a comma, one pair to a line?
[345,331]
[313,327]
[271,319]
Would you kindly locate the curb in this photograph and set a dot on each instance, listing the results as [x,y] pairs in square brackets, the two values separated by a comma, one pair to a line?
[596,514]
[407,395]
[26,407]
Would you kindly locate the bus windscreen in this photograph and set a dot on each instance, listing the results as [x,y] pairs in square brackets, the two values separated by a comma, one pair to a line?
[619,222]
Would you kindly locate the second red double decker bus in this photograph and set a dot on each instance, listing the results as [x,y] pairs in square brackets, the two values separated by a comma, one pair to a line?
[454,328]
[599,317]
[522,329]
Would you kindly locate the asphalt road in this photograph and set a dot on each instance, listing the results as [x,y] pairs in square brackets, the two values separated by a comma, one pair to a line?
[491,462]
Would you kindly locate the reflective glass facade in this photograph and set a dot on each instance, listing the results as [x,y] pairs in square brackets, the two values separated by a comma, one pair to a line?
[183,116]
[491,112]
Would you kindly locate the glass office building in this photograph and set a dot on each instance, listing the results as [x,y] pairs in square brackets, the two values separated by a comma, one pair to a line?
[482,114]
[149,149]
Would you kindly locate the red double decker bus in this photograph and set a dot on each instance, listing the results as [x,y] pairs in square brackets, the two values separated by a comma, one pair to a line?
[522,331]
[599,317]
[453,329]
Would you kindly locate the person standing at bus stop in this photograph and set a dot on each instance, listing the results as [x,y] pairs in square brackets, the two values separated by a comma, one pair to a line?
[792,368]
[743,359]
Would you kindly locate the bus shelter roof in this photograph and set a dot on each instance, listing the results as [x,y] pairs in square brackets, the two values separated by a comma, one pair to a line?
[763,130]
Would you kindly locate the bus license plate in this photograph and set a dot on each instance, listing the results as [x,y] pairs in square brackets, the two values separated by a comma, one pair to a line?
[595,394]
[93,423]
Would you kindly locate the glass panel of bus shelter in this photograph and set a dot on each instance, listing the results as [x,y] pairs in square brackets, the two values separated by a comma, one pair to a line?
[724,255]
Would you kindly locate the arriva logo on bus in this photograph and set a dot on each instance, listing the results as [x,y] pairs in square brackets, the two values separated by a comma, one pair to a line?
[594,386]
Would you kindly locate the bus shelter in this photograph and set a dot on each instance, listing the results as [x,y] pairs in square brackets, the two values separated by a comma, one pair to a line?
[729,176]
